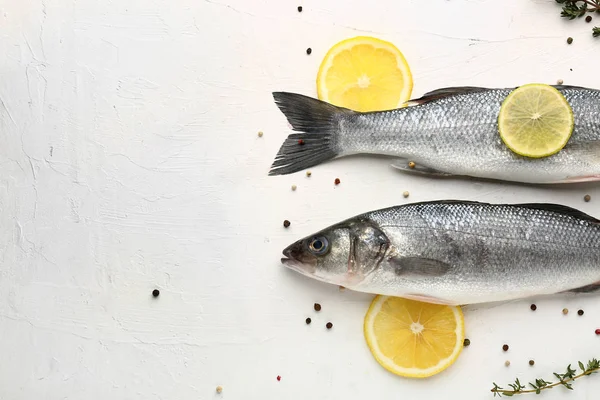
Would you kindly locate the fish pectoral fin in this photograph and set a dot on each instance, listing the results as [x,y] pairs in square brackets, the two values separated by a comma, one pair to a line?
[427,299]
[419,266]
[405,165]
[586,289]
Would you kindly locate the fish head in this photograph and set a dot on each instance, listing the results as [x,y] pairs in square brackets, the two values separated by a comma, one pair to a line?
[343,254]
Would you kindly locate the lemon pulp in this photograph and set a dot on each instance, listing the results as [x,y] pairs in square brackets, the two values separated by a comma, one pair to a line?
[364,74]
[411,338]
[535,121]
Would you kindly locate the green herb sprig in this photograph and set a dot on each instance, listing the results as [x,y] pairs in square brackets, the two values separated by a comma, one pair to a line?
[538,385]
[572,9]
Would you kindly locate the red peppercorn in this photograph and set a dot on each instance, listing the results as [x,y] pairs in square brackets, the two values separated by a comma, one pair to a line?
[337,181]
[278,378]
[597,331]
[300,142]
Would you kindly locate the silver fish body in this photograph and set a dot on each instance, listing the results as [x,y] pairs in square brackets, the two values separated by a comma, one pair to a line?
[452,131]
[456,252]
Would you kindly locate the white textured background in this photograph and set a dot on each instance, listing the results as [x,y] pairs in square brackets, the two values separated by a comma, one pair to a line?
[129,160]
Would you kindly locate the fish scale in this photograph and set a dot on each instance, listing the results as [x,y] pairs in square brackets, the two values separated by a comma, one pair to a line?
[458,252]
[451,131]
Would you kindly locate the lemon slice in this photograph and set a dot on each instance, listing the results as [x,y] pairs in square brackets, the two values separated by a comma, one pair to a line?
[364,74]
[411,338]
[535,120]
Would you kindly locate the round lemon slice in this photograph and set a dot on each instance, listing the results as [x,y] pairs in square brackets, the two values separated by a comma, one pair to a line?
[411,338]
[364,74]
[535,121]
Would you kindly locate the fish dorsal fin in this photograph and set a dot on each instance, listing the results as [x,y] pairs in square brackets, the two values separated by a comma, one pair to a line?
[557,208]
[446,92]
[454,91]
[564,87]
[560,209]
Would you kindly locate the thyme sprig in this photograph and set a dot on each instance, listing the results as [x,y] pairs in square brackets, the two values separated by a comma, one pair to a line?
[538,385]
[572,9]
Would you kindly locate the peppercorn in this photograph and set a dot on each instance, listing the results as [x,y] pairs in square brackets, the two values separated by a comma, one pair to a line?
[299,8]
[531,362]
[260,133]
[286,223]
[300,142]
[507,363]
[580,312]
[533,307]
[278,378]
[308,51]
[317,307]
[597,331]
[308,321]
[505,347]
[560,82]
[337,181]
[405,194]
[587,198]
[219,389]
[466,342]
[588,18]
[565,311]
[411,164]
[294,187]
[155,292]
[329,325]
[308,173]
[569,40]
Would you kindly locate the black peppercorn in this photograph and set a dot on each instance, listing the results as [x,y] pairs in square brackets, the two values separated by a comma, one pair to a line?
[155,292]
[569,40]
[308,51]
[286,223]
[580,312]
[308,321]
[317,307]
[299,8]
[466,342]
[505,347]
[329,325]
[533,307]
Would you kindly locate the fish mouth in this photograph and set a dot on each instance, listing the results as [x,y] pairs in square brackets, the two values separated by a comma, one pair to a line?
[298,266]
[295,259]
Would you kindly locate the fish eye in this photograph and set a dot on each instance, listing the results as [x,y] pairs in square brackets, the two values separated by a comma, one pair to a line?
[318,245]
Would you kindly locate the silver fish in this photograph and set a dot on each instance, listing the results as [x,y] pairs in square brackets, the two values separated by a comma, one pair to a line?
[451,131]
[456,252]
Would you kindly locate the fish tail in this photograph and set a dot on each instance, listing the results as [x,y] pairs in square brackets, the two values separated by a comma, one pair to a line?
[319,124]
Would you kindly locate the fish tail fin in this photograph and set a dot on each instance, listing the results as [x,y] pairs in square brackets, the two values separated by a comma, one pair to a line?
[319,124]
[587,289]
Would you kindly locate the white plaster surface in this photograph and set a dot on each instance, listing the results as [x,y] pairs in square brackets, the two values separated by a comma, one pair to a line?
[129,160]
